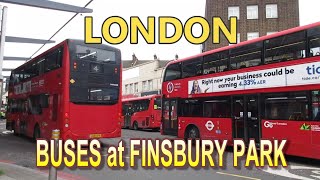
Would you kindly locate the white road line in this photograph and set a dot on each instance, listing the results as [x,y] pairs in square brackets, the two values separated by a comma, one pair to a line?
[316,172]
[6,132]
[283,172]
[318,177]
[236,175]
[304,167]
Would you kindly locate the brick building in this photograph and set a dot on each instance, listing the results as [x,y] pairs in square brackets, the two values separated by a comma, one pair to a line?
[256,18]
[142,77]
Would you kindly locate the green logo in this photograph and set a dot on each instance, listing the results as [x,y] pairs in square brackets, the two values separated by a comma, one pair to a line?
[305,127]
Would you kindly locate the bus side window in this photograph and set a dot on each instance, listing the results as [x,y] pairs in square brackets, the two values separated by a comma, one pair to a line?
[192,68]
[208,109]
[317,117]
[20,106]
[16,78]
[316,105]
[217,62]
[284,48]
[246,56]
[11,80]
[41,65]
[287,106]
[33,104]
[44,100]
[53,61]
[314,41]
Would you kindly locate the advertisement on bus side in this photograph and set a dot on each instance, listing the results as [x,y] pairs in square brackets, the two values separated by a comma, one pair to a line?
[303,74]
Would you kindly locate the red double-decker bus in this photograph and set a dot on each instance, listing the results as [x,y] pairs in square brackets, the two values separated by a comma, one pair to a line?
[73,87]
[266,88]
[142,112]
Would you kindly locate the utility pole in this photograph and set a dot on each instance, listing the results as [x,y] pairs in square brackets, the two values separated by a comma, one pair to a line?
[2,41]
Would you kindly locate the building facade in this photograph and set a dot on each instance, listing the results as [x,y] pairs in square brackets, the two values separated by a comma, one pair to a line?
[256,18]
[142,77]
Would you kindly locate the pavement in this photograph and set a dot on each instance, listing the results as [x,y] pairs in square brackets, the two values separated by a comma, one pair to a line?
[15,172]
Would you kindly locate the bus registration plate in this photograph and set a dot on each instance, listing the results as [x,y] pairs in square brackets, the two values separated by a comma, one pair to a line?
[95,135]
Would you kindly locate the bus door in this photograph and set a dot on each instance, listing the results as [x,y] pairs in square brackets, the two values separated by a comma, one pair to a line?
[127,115]
[44,109]
[246,120]
[170,117]
[51,103]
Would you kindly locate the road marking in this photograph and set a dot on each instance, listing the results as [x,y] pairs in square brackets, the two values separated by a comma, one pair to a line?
[284,172]
[235,175]
[316,172]
[318,177]
[304,167]
[6,132]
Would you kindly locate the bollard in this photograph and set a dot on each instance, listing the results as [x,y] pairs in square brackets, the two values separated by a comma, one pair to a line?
[53,170]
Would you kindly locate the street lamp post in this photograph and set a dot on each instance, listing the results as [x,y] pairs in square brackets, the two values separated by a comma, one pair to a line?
[2,41]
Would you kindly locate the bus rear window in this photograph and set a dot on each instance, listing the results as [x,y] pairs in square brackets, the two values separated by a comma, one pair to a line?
[94,54]
[103,94]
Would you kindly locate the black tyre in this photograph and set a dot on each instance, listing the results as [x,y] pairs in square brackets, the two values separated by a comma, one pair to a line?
[135,125]
[192,133]
[14,130]
[36,133]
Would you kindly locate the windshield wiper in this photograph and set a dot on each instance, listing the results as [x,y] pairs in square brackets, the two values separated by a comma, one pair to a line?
[88,55]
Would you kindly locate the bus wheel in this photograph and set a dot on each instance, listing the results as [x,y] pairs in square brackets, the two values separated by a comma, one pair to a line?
[36,133]
[192,133]
[14,130]
[135,125]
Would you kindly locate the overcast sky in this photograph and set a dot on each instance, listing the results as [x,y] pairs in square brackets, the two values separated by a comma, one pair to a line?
[41,23]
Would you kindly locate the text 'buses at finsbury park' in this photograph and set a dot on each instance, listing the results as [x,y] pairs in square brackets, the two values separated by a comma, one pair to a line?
[73,87]
[142,112]
[265,88]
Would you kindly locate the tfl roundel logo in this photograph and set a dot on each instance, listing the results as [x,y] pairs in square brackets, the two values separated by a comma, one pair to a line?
[170,87]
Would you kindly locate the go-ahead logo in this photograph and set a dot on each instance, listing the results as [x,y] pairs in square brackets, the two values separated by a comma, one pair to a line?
[268,124]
